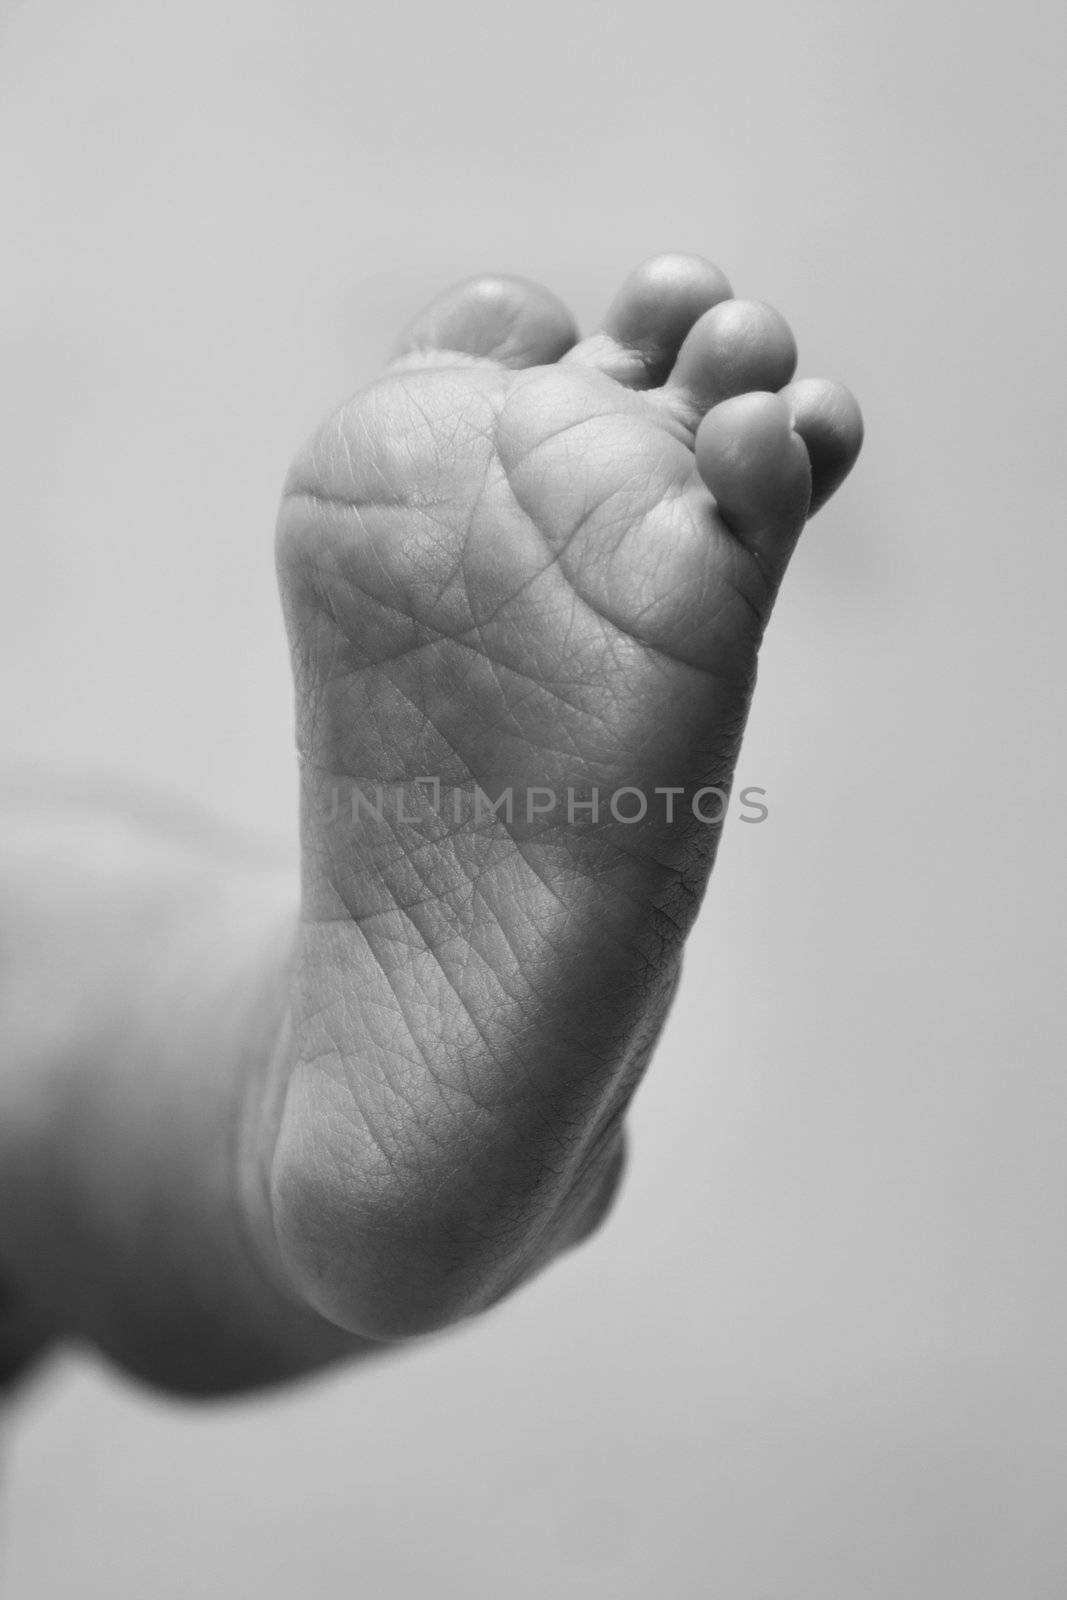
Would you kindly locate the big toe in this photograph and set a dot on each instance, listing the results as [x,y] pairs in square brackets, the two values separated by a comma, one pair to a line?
[496,317]
[647,322]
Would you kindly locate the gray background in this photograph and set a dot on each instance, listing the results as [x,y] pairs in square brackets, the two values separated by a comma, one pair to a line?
[817,1354]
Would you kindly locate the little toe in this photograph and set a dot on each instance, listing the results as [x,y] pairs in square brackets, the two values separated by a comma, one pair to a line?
[735,348]
[828,419]
[649,318]
[512,321]
[758,470]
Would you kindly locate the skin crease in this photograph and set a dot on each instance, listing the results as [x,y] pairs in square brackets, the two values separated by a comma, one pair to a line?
[301,1122]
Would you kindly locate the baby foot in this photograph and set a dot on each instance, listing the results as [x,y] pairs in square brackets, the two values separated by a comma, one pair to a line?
[525,581]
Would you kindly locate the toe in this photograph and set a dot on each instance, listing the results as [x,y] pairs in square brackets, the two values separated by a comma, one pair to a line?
[736,347]
[828,419]
[650,317]
[511,321]
[757,468]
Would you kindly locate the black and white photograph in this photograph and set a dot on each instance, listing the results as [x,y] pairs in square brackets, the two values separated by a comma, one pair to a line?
[532,866]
